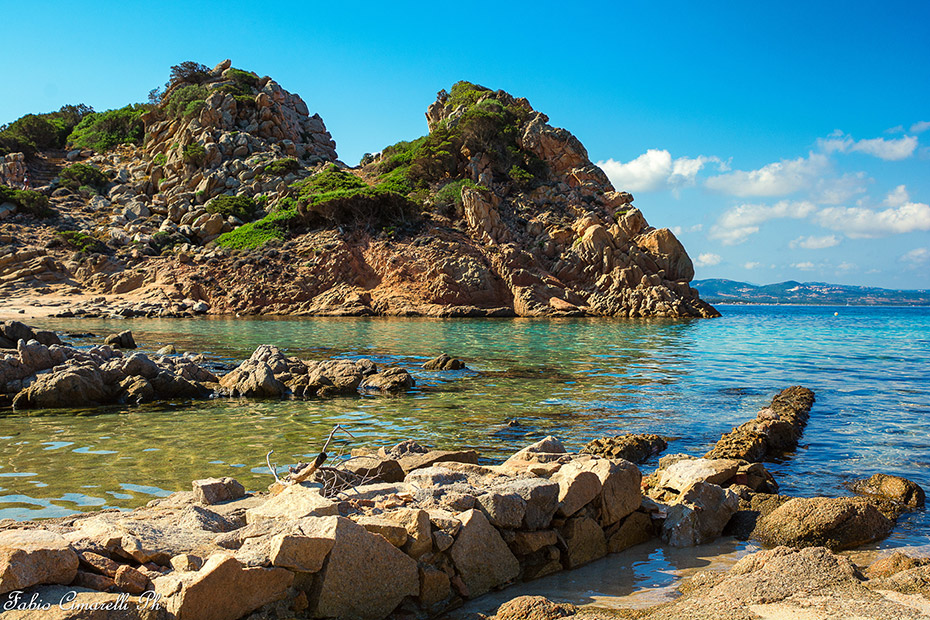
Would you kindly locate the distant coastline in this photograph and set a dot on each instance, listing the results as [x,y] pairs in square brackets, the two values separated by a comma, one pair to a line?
[729,292]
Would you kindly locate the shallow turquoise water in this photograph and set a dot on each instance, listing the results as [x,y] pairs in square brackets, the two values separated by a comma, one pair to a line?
[573,378]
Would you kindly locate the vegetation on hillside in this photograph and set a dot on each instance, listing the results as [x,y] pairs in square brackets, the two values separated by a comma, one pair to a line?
[34,132]
[434,167]
[81,176]
[101,131]
[27,200]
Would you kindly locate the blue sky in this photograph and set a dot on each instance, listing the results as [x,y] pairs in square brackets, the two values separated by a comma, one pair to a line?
[781,141]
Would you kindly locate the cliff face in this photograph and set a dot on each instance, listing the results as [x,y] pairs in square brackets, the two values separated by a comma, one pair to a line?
[495,212]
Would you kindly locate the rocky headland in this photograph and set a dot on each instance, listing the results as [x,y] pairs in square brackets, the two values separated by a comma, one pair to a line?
[161,209]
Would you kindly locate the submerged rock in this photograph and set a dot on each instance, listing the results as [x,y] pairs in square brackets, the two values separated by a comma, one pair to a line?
[893,488]
[444,362]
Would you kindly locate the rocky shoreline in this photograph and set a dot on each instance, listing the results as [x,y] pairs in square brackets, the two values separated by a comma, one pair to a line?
[411,532]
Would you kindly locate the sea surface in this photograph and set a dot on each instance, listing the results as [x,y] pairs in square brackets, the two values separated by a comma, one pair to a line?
[577,379]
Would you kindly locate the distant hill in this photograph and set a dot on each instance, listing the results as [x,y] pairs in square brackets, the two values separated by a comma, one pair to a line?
[815,293]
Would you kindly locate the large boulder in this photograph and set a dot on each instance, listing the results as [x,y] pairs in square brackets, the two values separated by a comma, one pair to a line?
[365,576]
[636,448]
[253,379]
[294,502]
[894,488]
[699,516]
[222,589]
[836,523]
[390,381]
[481,556]
[32,557]
[541,497]
[584,541]
[72,386]
[682,474]
[534,608]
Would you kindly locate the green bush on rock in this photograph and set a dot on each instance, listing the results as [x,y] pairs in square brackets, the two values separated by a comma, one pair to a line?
[241,207]
[81,242]
[102,131]
[194,154]
[27,200]
[78,176]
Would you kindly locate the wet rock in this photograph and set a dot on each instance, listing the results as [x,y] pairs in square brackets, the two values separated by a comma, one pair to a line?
[699,516]
[752,508]
[775,430]
[32,557]
[215,490]
[72,386]
[122,340]
[253,379]
[365,577]
[434,586]
[390,381]
[893,488]
[444,362]
[533,608]
[836,523]
[481,556]
[894,563]
[636,448]
[168,349]
[584,541]
[636,528]
[782,583]
[222,589]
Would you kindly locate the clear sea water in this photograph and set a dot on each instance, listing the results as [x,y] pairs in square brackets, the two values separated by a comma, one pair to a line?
[576,379]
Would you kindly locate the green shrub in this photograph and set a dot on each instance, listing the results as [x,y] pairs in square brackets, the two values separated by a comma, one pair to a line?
[33,132]
[520,176]
[190,72]
[77,175]
[331,179]
[27,200]
[81,242]
[102,131]
[160,160]
[186,100]
[281,167]
[163,241]
[275,225]
[465,94]
[194,154]
[241,207]
[451,193]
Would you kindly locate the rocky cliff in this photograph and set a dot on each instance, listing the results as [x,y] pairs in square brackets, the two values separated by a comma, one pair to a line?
[493,213]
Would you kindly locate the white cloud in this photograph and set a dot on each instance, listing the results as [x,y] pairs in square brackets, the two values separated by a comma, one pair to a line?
[814,243]
[897,197]
[835,191]
[920,126]
[807,266]
[679,230]
[738,223]
[889,149]
[775,179]
[707,260]
[895,129]
[654,170]
[861,223]
[751,265]
[916,257]
[844,266]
